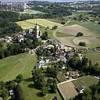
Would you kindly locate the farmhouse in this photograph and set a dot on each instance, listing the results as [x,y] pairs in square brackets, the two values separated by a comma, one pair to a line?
[72,74]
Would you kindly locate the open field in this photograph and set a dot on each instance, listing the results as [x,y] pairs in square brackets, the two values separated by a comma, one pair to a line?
[26,24]
[10,67]
[30,93]
[67,90]
[29,11]
[95,28]
[94,56]
[23,64]
[74,29]
[66,35]
[85,81]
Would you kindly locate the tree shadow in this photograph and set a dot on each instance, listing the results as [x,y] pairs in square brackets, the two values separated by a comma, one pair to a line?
[31,86]
[28,79]
[39,94]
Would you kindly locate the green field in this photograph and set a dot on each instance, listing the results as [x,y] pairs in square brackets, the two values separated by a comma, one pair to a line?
[29,11]
[23,64]
[85,81]
[31,93]
[93,56]
[10,67]
[90,25]
[91,31]
[26,24]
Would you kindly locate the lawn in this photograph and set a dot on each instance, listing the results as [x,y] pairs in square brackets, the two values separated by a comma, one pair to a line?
[85,81]
[26,24]
[93,56]
[30,93]
[11,66]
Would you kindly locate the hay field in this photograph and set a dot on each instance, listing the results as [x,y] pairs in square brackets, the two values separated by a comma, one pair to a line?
[67,35]
[74,29]
[67,90]
[26,24]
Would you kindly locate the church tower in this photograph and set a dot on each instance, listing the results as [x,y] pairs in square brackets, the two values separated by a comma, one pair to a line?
[37,30]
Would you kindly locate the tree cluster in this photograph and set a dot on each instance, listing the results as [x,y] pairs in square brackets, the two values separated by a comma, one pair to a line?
[85,65]
[43,83]
[92,93]
[17,47]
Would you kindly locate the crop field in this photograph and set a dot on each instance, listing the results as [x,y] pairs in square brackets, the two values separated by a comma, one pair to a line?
[67,35]
[85,81]
[74,29]
[26,24]
[67,90]
[10,67]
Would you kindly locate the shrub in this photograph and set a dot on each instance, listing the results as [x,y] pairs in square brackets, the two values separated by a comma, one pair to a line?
[19,78]
[79,34]
[54,27]
[82,44]
[63,23]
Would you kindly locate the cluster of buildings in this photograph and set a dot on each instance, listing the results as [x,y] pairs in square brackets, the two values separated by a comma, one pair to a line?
[13,6]
[54,52]
[58,52]
[33,33]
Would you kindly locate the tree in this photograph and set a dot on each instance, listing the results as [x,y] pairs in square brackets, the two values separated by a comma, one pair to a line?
[54,27]
[4,93]
[44,36]
[63,22]
[51,83]
[82,44]
[19,78]
[11,84]
[38,79]
[75,63]
[44,89]
[79,34]
[51,72]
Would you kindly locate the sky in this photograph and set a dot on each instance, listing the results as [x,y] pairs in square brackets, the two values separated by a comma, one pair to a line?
[43,0]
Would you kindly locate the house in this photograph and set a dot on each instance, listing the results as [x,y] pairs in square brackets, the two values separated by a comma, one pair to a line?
[11,92]
[8,39]
[80,56]
[80,89]
[73,74]
[20,38]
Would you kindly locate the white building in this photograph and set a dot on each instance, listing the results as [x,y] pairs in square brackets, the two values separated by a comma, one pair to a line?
[38,33]
[20,38]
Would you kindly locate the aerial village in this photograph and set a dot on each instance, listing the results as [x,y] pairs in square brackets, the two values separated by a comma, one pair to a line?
[51,51]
